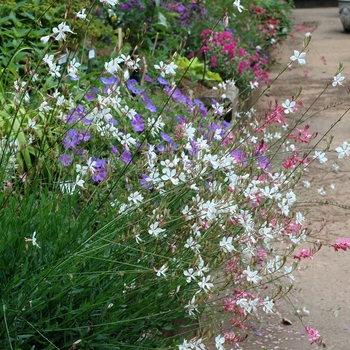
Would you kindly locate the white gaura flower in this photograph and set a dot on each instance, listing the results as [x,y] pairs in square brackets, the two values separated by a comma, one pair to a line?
[307,184]
[254,84]
[268,305]
[171,68]
[61,31]
[288,106]
[219,340]
[166,68]
[238,5]
[226,245]
[321,157]
[154,230]
[190,275]
[252,276]
[81,14]
[73,68]
[321,191]
[33,240]
[109,2]
[205,285]
[344,150]
[45,39]
[161,271]
[337,80]
[298,56]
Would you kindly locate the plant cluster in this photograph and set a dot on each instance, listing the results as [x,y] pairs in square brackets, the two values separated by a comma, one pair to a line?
[129,206]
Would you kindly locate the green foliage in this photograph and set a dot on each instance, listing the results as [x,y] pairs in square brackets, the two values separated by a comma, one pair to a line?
[85,281]
[195,70]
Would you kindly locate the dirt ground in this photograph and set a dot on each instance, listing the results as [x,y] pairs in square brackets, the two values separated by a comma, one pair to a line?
[322,285]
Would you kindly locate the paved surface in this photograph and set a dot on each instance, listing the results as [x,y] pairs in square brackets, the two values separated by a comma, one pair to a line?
[324,287]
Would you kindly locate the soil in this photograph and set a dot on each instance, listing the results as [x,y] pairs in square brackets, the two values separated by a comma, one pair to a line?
[322,285]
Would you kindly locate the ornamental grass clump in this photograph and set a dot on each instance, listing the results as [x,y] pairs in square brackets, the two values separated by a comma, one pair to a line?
[128,209]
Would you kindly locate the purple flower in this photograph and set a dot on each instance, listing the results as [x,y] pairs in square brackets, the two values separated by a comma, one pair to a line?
[99,174]
[239,157]
[201,107]
[91,95]
[137,123]
[165,137]
[126,157]
[145,182]
[99,162]
[99,169]
[263,162]
[114,149]
[79,151]
[162,81]
[84,135]
[65,159]
[161,148]
[71,139]
[181,119]
[131,86]
[226,124]
[148,78]
[110,83]
[76,114]
[177,95]
[149,105]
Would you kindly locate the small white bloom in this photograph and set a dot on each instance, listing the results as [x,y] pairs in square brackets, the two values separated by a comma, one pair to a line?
[72,68]
[252,276]
[335,167]
[321,191]
[320,156]
[337,80]
[135,197]
[190,275]
[307,184]
[298,56]
[254,84]
[205,285]
[219,340]
[299,218]
[268,305]
[45,39]
[191,306]
[344,150]
[288,106]
[31,124]
[154,230]
[332,186]
[161,271]
[226,245]
[61,31]
[238,5]
[33,240]
[109,2]
[44,107]
[81,14]
[79,182]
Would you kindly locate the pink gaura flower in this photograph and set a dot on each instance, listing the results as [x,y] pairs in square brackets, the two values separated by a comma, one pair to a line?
[314,336]
[341,243]
[304,253]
